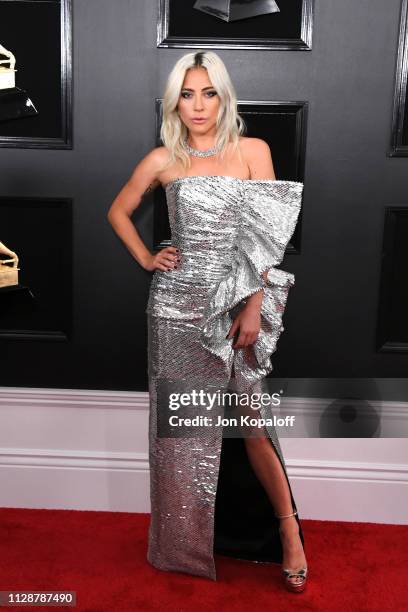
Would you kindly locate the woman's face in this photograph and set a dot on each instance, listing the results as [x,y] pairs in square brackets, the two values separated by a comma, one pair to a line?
[198,100]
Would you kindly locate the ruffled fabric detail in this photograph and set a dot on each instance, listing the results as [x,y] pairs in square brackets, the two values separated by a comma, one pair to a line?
[269,213]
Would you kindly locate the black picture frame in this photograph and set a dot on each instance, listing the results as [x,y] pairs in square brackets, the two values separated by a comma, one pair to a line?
[392,324]
[39,231]
[399,129]
[283,125]
[180,25]
[39,34]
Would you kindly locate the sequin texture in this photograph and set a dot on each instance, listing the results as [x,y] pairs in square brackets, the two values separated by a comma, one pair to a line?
[228,231]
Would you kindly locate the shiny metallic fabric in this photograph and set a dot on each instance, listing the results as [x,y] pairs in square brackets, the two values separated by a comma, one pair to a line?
[228,231]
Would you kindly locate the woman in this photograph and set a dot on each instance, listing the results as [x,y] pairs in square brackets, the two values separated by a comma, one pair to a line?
[214,316]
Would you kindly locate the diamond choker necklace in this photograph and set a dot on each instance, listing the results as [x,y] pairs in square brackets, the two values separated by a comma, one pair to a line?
[204,153]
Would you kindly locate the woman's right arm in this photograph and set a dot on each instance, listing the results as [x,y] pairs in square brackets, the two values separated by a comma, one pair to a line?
[143,180]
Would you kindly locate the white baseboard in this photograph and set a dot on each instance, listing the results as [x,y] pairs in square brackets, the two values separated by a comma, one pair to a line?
[88,450]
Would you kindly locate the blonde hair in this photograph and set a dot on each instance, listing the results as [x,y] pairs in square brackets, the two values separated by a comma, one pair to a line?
[230,124]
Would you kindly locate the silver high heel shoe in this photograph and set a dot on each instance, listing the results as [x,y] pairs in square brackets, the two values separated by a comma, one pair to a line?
[294,587]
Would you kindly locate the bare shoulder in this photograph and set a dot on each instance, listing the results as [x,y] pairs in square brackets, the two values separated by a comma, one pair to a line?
[156,158]
[148,171]
[255,149]
[254,145]
[258,156]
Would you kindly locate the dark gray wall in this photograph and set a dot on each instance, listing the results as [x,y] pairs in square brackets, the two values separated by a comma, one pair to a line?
[348,81]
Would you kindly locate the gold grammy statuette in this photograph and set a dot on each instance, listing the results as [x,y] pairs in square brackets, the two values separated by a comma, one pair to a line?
[7,75]
[8,274]
[15,102]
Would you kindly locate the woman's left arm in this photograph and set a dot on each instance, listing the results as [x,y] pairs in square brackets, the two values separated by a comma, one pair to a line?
[248,320]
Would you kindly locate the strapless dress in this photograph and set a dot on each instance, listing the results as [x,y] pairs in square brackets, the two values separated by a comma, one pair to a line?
[205,497]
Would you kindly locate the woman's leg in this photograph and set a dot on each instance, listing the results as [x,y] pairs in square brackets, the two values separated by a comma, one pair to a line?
[269,471]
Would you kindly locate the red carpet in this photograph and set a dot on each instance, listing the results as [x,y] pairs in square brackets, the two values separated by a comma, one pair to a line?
[102,556]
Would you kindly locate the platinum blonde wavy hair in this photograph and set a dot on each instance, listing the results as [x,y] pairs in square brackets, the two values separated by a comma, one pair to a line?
[230,124]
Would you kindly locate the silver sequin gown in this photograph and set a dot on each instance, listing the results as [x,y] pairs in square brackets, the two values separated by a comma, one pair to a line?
[205,497]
